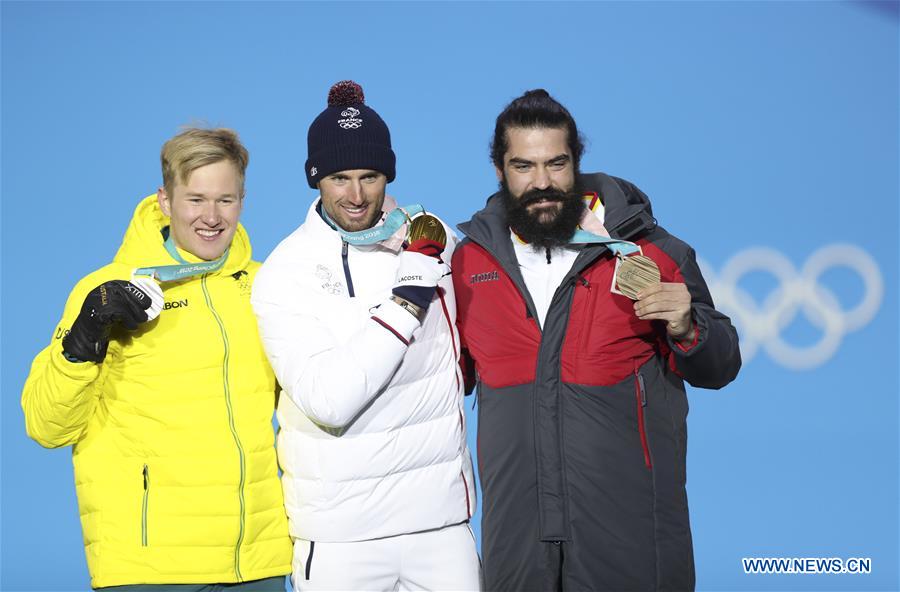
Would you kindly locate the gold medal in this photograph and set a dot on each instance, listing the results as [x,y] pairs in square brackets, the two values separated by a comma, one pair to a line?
[635,273]
[428,227]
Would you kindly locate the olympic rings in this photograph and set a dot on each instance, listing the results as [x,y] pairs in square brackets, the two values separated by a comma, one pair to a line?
[762,324]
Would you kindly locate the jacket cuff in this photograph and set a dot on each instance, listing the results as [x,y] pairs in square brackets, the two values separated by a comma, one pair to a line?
[80,371]
[685,348]
[699,340]
[397,320]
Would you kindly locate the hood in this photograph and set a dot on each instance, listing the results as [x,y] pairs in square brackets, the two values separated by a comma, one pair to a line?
[142,245]
[627,212]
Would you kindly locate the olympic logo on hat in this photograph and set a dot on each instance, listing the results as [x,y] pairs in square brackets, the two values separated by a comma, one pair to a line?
[760,324]
[350,120]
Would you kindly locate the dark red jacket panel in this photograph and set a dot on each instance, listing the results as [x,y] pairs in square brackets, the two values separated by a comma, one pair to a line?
[604,340]
[491,300]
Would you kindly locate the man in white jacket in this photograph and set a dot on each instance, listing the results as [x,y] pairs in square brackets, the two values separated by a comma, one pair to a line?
[361,333]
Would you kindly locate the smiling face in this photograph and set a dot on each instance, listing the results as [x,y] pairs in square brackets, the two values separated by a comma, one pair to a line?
[353,199]
[540,193]
[538,159]
[204,210]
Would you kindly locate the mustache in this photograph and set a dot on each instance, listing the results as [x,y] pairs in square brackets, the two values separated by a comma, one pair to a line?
[537,195]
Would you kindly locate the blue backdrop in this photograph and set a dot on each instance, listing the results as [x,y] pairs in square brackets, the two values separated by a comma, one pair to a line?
[766,135]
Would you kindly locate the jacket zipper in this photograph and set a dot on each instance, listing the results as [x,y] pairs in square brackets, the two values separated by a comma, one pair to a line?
[145,504]
[640,394]
[345,248]
[586,325]
[231,425]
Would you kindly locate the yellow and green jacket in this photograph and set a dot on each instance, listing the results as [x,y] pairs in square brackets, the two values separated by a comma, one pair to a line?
[172,436]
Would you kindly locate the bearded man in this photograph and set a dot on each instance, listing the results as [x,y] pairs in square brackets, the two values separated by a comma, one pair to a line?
[580,318]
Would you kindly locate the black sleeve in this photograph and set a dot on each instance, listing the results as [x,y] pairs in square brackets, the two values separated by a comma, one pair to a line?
[713,360]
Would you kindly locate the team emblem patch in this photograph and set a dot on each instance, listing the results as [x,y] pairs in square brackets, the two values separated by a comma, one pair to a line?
[478,278]
[331,286]
[350,119]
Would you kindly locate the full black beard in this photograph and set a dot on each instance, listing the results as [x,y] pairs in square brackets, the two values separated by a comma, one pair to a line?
[553,233]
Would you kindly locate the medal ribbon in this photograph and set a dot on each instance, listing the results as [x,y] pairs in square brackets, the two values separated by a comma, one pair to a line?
[621,248]
[592,231]
[632,274]
[394,221]
[171,273]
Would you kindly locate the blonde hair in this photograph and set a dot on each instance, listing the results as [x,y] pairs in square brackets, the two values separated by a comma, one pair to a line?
[197,147]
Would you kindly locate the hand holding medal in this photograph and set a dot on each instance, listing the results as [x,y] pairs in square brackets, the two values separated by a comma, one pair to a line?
[420,266]
[669,302]
[637,277]
[429,228]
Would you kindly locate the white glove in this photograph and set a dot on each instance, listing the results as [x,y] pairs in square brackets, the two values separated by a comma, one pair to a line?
[416,269]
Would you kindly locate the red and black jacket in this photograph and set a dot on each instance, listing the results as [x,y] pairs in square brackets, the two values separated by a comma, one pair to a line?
[582,423]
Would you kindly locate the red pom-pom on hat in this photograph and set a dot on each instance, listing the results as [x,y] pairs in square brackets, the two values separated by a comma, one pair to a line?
[345,92]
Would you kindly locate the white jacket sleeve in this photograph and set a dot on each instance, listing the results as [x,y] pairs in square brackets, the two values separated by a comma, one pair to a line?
[330,382]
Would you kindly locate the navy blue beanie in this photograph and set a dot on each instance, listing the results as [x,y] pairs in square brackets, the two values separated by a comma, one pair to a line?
[348,135]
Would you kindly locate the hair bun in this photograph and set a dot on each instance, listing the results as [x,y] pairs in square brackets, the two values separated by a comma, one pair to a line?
[537,92]
[345,92]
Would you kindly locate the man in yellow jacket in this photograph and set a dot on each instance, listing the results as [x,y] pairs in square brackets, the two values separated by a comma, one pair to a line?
[156,377]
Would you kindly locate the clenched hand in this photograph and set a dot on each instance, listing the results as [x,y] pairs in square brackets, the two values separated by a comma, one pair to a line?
[669,302]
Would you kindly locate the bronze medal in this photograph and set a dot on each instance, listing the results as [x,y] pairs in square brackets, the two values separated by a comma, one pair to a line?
[428,227]
[635,273]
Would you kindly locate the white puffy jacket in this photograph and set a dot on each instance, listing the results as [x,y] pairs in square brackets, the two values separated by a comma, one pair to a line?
[373,438]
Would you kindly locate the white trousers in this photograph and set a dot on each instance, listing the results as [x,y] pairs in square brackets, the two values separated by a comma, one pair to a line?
[442,559]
